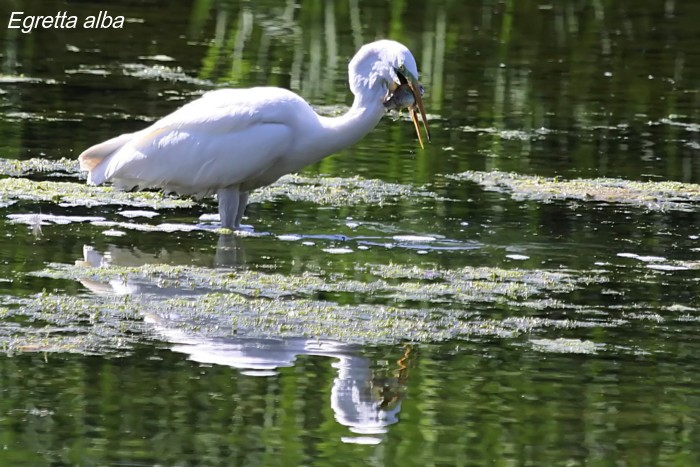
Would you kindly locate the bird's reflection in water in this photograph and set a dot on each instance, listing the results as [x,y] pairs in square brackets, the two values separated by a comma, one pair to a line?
[230,252]
[364,399]
[367,401]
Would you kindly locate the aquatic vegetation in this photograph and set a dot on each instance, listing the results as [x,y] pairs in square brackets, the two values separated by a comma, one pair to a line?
[104,323]
[16,168]
[223,303]
[652,195]
[63,323]
[80,194]
[463,285]
[552,281]
[107,323]
[162,72]
[337,191]
[328,191]
[518,135]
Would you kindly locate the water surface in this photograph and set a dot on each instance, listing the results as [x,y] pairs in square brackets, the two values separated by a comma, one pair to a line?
[388,305]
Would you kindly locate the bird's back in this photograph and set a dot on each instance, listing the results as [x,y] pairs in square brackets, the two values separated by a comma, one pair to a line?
[226,137]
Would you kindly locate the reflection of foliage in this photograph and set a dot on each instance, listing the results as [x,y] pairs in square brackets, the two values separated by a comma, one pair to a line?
[520,65]
[511,65]
[563,50]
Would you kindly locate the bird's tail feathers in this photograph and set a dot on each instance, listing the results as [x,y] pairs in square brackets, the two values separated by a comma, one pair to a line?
[92,157]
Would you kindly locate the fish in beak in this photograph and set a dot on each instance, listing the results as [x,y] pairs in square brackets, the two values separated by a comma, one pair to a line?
[409,94]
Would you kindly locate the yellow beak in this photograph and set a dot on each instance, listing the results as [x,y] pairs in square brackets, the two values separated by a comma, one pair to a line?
[415,86]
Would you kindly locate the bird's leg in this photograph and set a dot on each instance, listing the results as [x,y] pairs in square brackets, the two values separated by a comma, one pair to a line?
[242,203]
[229,199]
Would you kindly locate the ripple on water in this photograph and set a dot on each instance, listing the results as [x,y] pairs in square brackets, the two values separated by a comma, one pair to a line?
[289,237]
[46,219]
[563,345]
[168,227]
[163,73]
[517,257]
[645,259]
[660,263]
[338,250]
[114,233]
[137,213]
[12,79]
[414,238]
[419,243]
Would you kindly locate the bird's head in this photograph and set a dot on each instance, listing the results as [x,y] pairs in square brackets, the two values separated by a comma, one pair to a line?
[384,66]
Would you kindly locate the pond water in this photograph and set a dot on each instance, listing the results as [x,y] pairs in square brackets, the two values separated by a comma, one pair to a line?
[521,292]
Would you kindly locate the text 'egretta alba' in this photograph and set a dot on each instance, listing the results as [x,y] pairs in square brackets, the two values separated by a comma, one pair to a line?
[231,141]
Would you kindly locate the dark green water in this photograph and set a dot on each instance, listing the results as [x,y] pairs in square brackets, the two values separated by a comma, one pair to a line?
[448,323]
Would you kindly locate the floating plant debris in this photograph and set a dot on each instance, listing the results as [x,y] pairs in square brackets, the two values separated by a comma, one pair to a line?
[463,285]
[335,191]
[563,345]
[211,303]
[652,195]
[329,191]
[520,135]
[162,72]
[68,194]
[16,168]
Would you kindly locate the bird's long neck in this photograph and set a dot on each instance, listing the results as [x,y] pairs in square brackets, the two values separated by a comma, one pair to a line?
[336,133]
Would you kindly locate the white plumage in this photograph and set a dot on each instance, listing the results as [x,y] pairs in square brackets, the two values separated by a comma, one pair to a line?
[232,141]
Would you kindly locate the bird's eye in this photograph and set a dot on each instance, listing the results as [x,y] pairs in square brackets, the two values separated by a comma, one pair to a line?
[401,74]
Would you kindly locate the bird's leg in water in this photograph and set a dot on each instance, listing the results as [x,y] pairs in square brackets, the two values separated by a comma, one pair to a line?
[242,203]
[229,199]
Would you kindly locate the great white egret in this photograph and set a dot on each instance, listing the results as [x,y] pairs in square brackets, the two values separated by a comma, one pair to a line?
[232,141]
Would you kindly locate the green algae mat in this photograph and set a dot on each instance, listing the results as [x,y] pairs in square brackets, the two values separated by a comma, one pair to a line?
[374,303]
[651,195]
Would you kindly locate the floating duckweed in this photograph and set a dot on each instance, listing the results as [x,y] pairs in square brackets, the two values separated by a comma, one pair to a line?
[656,196]
[162,72]
[335,191]
[16,168]
[519,135]
[330,191]
[128,303]
[81,194]
[107,322]
[522,282]
[463,285]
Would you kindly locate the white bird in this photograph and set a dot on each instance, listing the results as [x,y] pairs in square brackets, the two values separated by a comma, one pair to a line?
[232,141]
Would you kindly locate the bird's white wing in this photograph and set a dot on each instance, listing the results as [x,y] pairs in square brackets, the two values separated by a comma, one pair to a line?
[224,138]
